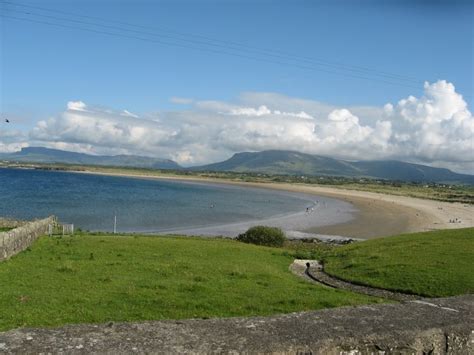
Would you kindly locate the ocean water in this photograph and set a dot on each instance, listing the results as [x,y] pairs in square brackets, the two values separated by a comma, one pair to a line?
[141,205]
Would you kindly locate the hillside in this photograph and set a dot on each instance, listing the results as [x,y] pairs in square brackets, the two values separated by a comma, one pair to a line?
[272,162]
[46,155]
[103,278]
[431,264]
[295,163]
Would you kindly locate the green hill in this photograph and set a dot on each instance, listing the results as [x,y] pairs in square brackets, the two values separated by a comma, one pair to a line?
[432,264]
[46,155]
[294,163]
[97,279]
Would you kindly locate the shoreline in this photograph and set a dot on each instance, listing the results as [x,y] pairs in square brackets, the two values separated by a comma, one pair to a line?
[377,215]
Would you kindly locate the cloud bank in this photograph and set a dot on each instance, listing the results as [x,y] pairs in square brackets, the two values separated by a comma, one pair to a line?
[436,128]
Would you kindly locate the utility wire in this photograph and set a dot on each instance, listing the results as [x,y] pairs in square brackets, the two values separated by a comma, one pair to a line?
[285,57]
[172,44]
[205,50]
[215,43]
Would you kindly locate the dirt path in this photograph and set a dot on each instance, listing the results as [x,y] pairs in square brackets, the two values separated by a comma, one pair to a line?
[315,273]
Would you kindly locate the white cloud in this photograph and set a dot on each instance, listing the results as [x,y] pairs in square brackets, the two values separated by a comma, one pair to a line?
[250,111]
[76,106]
[12,140]
[181,100]
[129,114]
[265,111]
[436,128]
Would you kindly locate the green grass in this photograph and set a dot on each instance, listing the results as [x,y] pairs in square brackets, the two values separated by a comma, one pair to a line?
[433,264]
[89,279]
[5,229]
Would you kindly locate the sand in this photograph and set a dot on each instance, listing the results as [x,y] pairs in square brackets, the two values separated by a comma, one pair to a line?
[384,215]
[375,214]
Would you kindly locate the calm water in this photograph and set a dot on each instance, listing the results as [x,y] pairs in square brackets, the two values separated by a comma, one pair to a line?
[90,201]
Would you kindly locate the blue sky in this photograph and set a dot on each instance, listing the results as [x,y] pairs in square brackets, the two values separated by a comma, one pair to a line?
[44,67]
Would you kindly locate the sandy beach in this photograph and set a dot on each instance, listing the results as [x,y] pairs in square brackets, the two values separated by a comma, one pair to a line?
[375,214]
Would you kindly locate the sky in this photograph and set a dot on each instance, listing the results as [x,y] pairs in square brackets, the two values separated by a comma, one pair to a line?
[196,81]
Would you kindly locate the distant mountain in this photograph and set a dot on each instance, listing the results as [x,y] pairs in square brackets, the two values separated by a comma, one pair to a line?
[277,162]
[295,163]
[46,155]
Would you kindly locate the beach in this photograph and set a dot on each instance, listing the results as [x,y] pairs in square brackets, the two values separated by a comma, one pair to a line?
[374,214]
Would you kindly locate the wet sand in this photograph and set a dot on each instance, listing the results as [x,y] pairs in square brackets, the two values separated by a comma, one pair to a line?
[374,219]
[380,215]
[375,214]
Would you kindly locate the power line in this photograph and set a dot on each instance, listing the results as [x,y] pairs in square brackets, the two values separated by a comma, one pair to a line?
[219,44]
[261,52]
[206,50]
[209,39]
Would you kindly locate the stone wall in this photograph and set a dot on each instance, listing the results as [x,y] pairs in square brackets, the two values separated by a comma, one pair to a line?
[20,238]
[434,326]
[11,223]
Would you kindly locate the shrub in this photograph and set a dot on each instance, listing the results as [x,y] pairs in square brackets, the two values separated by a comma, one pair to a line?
[262,235]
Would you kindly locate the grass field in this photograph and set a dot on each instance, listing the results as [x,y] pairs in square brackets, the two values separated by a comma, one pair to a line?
[100,278]
[87,279]
[5,229]
[434,264]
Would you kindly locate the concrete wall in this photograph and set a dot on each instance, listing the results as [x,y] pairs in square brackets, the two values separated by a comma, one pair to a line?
[20,238]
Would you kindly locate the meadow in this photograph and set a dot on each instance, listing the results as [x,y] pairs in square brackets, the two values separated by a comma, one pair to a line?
[431,264]
[101,278]
[96,278]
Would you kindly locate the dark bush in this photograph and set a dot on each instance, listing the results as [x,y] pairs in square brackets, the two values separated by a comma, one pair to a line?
[262,235]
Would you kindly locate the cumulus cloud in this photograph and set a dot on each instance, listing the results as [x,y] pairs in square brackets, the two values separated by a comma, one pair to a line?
[101,129]
[250,111]
[436,128]
[265,111]
[12,140]
[76,105]
[181,100]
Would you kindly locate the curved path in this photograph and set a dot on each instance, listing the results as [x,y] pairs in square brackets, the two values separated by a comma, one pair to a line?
[315,273]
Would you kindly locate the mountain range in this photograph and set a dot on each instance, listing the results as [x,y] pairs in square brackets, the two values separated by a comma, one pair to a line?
[278,162]
[47,155]
[296,163]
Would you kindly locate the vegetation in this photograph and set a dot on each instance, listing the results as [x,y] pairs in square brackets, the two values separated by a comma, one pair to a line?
[432,191]
[5,229]
[433,264]
[262,235]
[89,279]
[99,278]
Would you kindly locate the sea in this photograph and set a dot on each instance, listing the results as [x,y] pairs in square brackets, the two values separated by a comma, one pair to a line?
[93,202]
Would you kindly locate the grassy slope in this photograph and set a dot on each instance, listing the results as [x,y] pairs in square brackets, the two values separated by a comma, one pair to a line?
[101,278]
[432,264]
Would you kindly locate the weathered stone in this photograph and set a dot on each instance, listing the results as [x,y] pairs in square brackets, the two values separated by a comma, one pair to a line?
[444,327]
[11,223]
[16,240]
